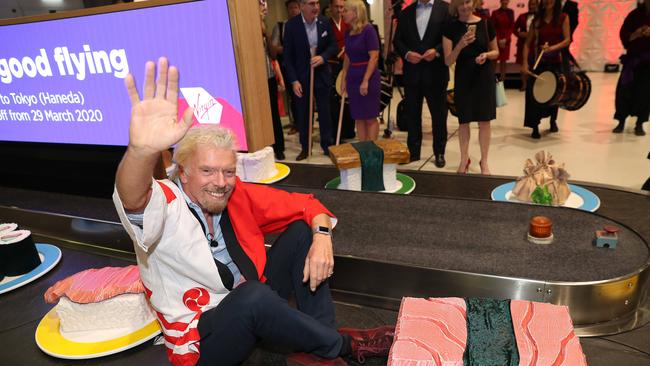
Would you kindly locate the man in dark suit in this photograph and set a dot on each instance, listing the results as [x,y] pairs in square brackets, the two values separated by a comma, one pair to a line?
[418,39]
[302,34]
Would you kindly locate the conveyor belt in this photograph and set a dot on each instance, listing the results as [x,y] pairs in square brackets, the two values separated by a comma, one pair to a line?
[367,273]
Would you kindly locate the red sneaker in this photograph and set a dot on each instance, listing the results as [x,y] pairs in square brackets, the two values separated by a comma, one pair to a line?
[307,359]
[374,342]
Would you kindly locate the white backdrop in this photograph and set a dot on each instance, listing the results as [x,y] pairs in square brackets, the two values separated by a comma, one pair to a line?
[596,40]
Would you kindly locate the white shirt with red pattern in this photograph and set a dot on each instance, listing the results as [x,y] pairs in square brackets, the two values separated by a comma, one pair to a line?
[176,267]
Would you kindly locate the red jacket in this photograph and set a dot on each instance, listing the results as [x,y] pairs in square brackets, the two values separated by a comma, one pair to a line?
[256,210]
[504,23]
[340,34]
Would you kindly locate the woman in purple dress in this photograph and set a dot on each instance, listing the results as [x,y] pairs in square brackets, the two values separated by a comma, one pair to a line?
[360,74]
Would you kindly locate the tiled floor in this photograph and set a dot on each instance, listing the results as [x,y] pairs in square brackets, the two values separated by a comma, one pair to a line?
[585,142]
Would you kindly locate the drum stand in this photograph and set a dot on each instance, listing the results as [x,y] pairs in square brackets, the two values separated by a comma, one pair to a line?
[311,105]
[338,131]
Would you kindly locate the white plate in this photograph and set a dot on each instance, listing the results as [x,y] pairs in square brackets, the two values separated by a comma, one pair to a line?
[405,184]
[580,198]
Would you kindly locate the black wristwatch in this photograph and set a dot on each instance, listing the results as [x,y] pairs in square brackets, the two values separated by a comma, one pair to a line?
[322,230]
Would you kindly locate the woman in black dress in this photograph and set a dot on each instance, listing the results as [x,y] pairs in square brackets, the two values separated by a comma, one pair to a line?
[470,42]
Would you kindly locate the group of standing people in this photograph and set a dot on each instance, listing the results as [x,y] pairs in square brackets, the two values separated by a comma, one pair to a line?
[545,31]
[430,36]
[310,45]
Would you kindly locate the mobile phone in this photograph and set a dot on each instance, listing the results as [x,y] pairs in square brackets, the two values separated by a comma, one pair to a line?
[471,28]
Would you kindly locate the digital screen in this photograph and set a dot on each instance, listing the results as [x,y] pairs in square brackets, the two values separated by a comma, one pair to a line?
[62,81]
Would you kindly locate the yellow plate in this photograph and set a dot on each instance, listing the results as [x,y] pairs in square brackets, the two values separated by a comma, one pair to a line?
[50,341]
[283,172]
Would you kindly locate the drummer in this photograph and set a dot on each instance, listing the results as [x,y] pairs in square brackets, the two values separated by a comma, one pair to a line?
[549,34]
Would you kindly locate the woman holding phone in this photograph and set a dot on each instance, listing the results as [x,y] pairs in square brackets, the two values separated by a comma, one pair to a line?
[470,42]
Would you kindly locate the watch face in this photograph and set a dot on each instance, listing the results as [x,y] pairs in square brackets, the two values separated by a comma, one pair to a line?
[323,230]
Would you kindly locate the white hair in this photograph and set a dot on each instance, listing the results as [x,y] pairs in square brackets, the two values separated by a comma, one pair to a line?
[218,137]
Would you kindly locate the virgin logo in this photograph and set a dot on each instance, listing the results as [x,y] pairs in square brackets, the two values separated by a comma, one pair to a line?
[196,298]
[207,109]
[202,110]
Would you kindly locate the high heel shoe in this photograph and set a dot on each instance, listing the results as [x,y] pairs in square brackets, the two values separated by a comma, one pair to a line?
[484,171]
[459,171]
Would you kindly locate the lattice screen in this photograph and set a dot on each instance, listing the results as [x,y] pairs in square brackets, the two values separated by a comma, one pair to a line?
[596,41]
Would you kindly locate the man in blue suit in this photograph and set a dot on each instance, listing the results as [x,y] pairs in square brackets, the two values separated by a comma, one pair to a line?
[302,34]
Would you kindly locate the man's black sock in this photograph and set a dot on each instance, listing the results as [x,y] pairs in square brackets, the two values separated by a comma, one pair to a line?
[346,347]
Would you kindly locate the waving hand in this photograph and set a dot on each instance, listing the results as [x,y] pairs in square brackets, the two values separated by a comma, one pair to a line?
[154,125]
[154,128]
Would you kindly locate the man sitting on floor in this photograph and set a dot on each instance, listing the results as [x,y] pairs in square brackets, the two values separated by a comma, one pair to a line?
[199,242]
